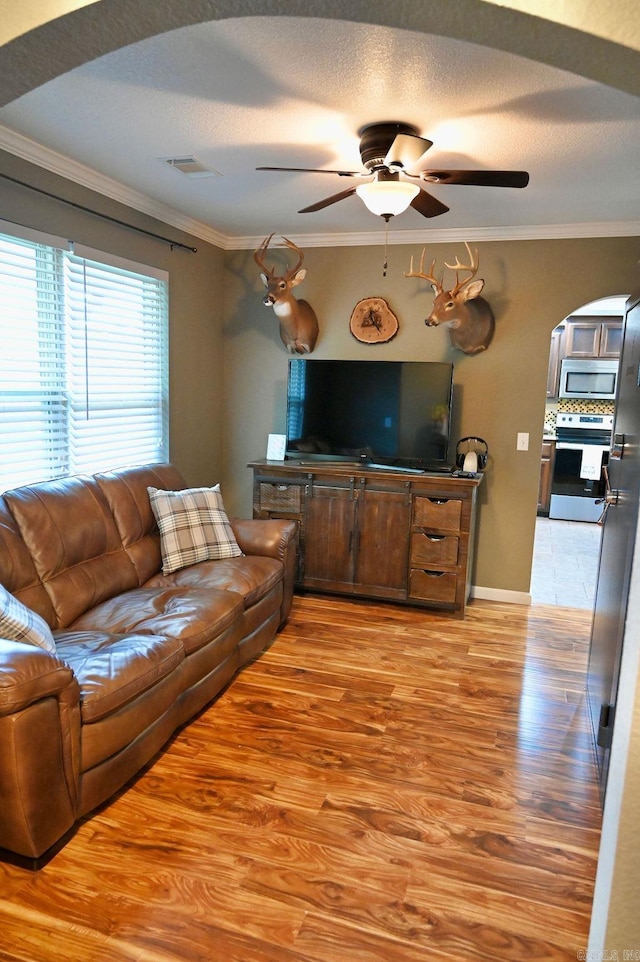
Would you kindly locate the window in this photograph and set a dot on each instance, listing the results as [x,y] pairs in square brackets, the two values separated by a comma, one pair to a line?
[83,362]
[296,392]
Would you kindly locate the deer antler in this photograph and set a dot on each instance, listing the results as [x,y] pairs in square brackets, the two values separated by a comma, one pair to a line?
[437,282]
[258,256]
[457,267]
[293,247]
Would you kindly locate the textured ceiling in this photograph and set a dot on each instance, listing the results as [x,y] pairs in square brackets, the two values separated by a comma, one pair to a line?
[294,91]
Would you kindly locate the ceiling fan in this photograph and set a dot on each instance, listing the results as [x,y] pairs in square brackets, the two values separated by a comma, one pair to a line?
[393,155]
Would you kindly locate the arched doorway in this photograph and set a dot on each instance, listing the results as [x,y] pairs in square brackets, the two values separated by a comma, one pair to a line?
[567,539]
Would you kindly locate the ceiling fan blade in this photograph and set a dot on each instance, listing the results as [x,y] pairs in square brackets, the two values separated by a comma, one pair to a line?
[427,205]
[478,178]
[406,151]
[327,201]
[314,170]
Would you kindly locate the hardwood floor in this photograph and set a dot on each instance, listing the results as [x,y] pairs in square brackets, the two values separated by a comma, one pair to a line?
[383,785]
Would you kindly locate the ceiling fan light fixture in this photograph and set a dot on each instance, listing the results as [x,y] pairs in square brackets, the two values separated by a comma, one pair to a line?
[393,155]
[387,198]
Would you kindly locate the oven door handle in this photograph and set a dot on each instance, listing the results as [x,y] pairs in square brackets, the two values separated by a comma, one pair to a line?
[580,445]
[610,497]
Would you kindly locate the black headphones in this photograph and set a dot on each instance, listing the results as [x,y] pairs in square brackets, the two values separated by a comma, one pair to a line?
[478,446]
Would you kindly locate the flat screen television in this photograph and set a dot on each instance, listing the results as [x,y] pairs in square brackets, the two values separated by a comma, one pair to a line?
[391,413]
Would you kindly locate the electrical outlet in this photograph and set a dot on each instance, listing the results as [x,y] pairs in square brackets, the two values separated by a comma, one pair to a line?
[522,444]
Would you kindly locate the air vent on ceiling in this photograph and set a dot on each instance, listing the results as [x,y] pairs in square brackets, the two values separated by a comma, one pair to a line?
[191,167]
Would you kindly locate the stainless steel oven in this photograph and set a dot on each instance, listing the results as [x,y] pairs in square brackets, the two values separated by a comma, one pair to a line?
[583,442]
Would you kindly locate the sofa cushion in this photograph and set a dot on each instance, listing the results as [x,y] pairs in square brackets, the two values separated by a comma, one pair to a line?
[19,623]
[193,617]
[193,527]
[73,540]
[251,576]
[113,669]
[126,491]
[17,570]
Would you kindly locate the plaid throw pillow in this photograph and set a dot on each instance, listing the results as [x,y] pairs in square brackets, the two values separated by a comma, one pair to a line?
[19,623]
[193,527]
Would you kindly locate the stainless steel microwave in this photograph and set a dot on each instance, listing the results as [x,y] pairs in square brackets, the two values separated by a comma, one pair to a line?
[588,378]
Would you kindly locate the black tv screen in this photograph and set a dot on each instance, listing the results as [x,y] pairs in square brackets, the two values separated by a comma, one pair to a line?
[394,413]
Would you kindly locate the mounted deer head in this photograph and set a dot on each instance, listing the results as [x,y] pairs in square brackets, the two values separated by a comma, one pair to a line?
[467,315]
[298,322]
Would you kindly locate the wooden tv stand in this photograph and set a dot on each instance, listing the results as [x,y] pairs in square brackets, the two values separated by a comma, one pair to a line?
[372,533]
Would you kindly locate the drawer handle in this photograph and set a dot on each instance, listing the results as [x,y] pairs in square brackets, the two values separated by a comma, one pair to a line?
[438,500]
[435,537]
[435,574]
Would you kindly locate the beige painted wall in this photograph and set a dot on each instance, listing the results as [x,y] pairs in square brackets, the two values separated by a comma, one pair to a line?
[228,372]
[196,309]
[16,19]
[593,16]
[531,285]
[623,929]
[228,367]
[589,37]
[195,282]
[589,15]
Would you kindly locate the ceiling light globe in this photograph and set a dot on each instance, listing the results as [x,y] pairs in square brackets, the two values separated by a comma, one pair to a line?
[387,198]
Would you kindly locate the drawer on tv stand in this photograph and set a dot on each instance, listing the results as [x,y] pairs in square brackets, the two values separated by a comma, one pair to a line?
[280,497]
[436,586]
[433,550]
[443,514]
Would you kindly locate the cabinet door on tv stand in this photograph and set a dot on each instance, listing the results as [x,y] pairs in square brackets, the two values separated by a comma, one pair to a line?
[384,523]
[329,538]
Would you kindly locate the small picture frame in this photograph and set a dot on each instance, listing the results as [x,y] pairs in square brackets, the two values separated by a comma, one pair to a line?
[276,447]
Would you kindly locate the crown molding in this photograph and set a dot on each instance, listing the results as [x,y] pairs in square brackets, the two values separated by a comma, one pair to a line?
[452,235]
[35,153]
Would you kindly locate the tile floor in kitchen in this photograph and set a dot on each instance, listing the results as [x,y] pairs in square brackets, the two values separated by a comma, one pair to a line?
[565,563]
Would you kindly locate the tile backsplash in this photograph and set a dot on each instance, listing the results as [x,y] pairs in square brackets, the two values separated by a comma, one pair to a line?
[582,406]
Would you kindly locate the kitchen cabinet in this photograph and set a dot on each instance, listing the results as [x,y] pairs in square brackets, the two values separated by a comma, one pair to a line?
[582,337]
[555,357]
[593,337]
[610,339]
[384,534]
[546,474]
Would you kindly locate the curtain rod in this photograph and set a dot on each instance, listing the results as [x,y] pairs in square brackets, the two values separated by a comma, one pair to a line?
[88,210]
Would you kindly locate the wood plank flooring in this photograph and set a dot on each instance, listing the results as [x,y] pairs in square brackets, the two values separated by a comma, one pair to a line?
[383,785]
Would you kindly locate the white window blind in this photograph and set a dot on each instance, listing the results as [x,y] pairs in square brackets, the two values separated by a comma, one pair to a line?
[83,363]
[297,393]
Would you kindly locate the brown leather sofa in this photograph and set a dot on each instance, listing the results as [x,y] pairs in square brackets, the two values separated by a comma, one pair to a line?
[138,653]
